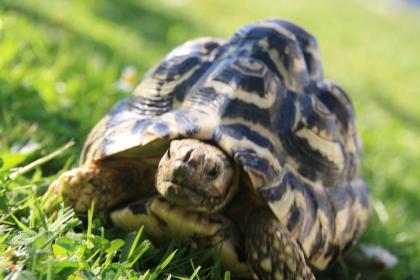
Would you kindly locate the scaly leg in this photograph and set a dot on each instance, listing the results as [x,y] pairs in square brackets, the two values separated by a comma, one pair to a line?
[271,251]
[107,183]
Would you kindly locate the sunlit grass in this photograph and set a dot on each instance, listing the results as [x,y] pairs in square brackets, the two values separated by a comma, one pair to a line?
[35,244]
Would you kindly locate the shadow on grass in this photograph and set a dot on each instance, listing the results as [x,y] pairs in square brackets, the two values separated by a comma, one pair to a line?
[20,104]
[162,28]
[26,120]
[158,30]
[80,38]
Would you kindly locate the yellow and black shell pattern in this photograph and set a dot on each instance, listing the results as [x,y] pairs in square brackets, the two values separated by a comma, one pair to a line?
[261,97]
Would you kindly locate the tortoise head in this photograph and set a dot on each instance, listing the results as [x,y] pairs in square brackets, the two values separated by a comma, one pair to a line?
[196,176]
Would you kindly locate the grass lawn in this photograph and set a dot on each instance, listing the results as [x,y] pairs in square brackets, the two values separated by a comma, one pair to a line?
[60,63]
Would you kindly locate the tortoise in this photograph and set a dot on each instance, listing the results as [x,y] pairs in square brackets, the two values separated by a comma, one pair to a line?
[239,143]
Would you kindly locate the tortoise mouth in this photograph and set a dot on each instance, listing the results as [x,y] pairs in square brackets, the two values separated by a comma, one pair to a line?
[190,198]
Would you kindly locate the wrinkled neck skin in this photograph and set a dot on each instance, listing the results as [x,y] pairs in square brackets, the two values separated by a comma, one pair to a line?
[196,176]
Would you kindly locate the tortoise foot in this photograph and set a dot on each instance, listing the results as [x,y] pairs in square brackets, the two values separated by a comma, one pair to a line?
[80,188]
[271,252]
[162,221]
[106,183]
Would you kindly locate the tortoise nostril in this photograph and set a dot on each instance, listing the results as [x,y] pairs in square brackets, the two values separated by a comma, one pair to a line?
[170,192]
[187,156]
[193,163]
[179,174]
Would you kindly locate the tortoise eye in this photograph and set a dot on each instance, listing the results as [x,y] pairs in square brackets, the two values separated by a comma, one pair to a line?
[213,172]
[168,153]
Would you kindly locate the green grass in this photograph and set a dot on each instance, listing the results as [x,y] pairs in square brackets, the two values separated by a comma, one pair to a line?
[35,245]
[59,65]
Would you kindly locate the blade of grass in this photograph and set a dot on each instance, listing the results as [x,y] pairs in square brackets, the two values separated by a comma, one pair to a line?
[195,273]
[129,247]
[135,242]
[89,244]
[167,261]
[41,213]
[40,161]
[144,246]
[19,223]
[49,270]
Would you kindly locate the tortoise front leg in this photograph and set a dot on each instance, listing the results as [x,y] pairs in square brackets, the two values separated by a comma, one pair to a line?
[271,252]
[137,214]
[162,221]
[105,182]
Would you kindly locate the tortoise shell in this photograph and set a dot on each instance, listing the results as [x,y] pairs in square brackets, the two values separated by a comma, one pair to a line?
[260,97]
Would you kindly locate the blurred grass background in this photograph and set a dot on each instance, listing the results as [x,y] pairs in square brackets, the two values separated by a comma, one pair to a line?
[60,63]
